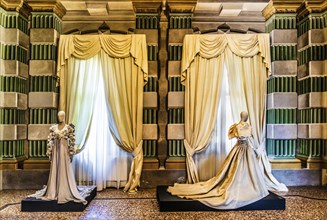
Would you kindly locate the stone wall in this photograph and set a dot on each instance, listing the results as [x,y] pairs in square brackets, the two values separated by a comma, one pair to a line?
[312,89]
[282,91]
[45,30]
[14,56]
[297,89]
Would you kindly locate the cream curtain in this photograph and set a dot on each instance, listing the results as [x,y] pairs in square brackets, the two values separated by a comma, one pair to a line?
[201,103]
[124,89]
[81,95]
[210,161]
[87,46]
[123,57]
[248,80]
[248,62]
[101,162]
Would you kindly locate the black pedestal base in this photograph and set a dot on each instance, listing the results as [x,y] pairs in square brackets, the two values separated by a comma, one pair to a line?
[170,203]
[38,205]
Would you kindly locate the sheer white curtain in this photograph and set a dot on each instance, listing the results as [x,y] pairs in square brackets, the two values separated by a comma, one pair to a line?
[102,162]
[209,161]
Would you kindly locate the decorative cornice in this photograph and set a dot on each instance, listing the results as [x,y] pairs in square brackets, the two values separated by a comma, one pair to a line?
[301,7]
[156,6]
[10,5]
[308,7]
[147,7]
[19,6]
[181,6]
[54,6]
[280,6]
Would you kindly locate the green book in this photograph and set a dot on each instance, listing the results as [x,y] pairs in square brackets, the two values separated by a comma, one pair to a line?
[179,115]
[284,116]
[14,149]
[277,116]
[30,148]
[39,148]
[155,116]
[13,116]
[178,147]
[41,83]
[7,84]
[44,149]
[150,147]
[176,84]
[44,113]
[155,84]
[36,83]
[145,116]
[39,116]
[277,147]
[155,148]
[284,84]
[5,149]
[169,148]
[6,119]
[10,149]
[44,80]
[172,148]
[281,52]
[145,147]
[52,52]
[36,115]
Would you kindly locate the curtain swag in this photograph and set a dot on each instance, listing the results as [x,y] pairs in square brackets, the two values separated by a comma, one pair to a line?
[87,46]
[213,45]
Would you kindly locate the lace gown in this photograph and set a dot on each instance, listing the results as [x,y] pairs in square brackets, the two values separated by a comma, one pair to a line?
[61,183]
[238,183]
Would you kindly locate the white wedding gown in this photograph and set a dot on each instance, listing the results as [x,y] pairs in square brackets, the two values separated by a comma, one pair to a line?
[239,182]
[61,183]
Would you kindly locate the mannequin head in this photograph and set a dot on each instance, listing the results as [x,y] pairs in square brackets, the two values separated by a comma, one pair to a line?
[244,116]
[61,116]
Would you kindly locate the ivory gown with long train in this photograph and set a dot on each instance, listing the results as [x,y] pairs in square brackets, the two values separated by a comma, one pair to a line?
[61,183]
[238,183]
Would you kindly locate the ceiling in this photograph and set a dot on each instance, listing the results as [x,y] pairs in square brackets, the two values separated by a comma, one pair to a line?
[126,9]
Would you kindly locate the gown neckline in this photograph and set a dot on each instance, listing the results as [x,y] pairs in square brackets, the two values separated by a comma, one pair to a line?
[62,128]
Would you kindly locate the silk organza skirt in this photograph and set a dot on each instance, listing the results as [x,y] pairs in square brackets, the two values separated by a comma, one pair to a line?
[238,183]
[61,183]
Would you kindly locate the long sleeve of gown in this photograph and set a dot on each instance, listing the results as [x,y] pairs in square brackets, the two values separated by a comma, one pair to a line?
[50,144]
[71,138]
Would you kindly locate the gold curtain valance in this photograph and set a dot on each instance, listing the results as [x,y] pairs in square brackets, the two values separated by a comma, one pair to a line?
[212,45]
[117,46]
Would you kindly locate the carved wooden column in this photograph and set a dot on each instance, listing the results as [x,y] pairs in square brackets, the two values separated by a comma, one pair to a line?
[312,84]
[14,55]
[46,26]
[180,24]
[147,22]
[163,89]
[281,86]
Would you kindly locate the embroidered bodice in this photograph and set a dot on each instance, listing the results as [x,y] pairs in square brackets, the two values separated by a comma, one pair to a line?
[242,131]
[66,133]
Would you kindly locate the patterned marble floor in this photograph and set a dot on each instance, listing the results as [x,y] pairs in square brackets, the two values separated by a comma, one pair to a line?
[114,204]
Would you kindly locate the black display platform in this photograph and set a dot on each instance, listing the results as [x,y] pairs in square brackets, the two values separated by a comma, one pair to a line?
[38,205]
[170,203]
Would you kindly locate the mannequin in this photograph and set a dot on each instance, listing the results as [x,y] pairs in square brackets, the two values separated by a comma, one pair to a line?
[238,183]
[61,183]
